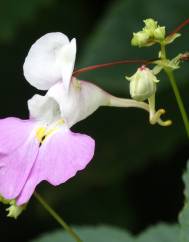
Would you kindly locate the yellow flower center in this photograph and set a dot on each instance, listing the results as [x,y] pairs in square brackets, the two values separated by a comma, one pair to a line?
[43,132]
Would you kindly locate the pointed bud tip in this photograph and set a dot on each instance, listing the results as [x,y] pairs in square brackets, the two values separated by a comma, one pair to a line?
[14,211]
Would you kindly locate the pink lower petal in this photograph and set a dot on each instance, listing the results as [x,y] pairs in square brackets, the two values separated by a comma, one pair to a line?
[13,133]
[15,167]
[60,157]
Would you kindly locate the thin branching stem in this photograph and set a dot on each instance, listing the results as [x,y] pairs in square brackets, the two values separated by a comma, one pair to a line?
[57,217]
[110,64]
[176,91]
[179,99]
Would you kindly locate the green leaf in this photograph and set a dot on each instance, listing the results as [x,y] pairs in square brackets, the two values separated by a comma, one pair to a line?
[89,234]
[15,13]
[158,233]
[184,215]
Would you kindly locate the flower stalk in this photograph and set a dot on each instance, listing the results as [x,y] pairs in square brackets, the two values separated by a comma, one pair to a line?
[176,91]
[57,217]
[179,99]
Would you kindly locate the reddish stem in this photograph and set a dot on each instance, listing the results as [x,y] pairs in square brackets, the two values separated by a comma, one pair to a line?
[185,57]
[183,24]
[144,62]
[105,65]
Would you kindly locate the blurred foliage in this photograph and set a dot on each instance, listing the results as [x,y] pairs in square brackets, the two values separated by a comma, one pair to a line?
[184,215]
[160,232]
[92,234]
[129,129]
[135,163]
[15,13]
[111,41]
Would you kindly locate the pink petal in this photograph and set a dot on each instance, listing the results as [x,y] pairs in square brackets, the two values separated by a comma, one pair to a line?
[16,166]
[60,157]
[13,133]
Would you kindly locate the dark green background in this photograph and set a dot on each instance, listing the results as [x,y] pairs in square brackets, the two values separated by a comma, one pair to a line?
[135,178]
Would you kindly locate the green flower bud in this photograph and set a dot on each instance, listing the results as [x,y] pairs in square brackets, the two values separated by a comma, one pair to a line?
[140,39]
[150,26]
[142,84]
[14,211]
[159,33]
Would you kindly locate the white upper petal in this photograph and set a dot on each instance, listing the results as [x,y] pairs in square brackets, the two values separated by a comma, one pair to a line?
[66,59]
[50,59]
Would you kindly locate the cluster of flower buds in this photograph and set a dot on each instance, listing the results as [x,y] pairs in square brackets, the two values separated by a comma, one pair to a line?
[143,84]
[149,35]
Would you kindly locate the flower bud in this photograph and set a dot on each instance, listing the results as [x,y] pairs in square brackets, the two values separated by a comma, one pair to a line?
[159,33]
[14,211]
[142,84]
[140,39]
[150,26]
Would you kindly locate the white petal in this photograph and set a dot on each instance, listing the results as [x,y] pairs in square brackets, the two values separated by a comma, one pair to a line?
[45,61]
[44,109]
[67,60]
[81,101]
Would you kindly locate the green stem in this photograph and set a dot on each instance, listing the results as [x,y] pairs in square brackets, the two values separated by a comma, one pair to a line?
[179,99]
[163,52]
[172,79]
[57,217]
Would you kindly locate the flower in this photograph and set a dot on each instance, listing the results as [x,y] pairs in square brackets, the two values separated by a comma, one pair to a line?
[37,151]
[43,148]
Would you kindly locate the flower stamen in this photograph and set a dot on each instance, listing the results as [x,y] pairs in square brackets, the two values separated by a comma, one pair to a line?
[43,132]
[40,134]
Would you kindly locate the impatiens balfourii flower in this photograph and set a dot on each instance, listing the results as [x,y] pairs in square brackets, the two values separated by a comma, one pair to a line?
[43,147]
